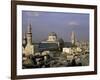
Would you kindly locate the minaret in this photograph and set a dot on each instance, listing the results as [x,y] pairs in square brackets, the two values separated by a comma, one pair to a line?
[73,38]
[24,42]
[29,35]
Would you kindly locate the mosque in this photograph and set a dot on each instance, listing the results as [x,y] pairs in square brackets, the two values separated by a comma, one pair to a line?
[52,43]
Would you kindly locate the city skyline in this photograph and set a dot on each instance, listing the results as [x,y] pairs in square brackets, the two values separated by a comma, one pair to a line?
[60,23]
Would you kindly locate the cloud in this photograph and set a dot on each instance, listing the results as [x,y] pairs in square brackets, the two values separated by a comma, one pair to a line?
[35,13]
[73,24]
[32,14]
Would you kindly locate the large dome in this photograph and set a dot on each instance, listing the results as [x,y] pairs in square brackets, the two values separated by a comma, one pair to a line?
[52,34]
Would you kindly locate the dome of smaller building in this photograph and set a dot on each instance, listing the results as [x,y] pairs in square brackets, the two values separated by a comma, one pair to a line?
[52,34]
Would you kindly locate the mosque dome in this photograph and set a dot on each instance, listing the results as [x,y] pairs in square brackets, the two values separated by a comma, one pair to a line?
[52,34]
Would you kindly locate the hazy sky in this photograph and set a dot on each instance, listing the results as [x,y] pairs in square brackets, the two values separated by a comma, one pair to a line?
[59,22]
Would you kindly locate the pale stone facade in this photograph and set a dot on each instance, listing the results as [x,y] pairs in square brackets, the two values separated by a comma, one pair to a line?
[29,49]
[67,50]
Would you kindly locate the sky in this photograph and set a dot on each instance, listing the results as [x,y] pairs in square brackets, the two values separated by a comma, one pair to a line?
[59,22]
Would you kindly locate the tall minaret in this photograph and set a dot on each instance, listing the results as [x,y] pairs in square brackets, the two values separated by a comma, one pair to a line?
[24,42]
[29,35]
[73,38]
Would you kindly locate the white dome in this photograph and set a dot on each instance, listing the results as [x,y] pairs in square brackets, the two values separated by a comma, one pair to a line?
[52,34]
